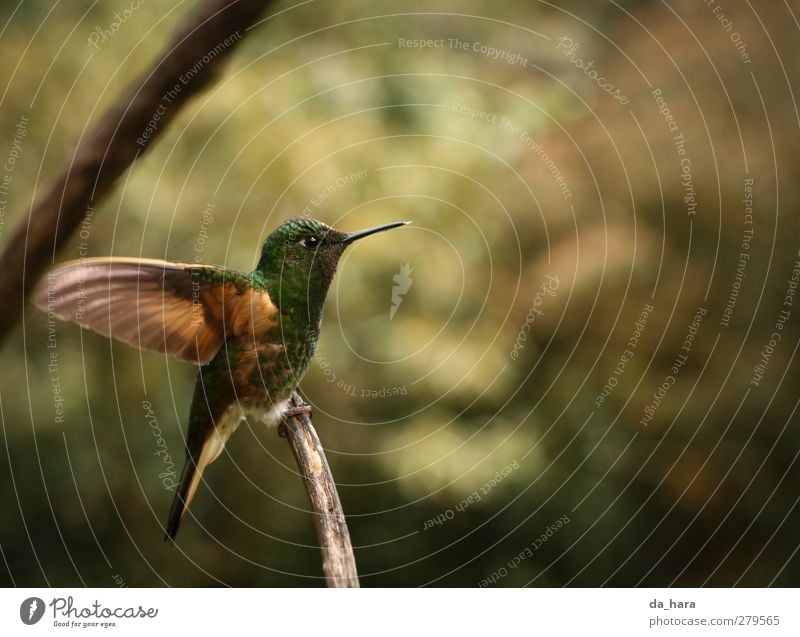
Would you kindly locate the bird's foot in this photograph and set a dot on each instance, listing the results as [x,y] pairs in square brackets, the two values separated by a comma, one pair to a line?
[291,412]
[297,410]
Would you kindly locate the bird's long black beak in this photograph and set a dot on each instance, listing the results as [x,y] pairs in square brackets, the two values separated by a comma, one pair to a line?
[354,236]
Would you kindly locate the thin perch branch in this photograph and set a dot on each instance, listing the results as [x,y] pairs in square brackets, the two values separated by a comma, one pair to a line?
[192,60]
[338,561]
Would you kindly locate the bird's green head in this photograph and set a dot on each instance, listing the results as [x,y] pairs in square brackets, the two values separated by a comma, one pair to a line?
[303,253]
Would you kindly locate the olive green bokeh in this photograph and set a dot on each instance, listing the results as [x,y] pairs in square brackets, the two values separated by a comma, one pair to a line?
[513,170]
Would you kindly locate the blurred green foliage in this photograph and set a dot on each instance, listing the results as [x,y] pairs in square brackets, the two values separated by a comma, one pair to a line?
[454,140]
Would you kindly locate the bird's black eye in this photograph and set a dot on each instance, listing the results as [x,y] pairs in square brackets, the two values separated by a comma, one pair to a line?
[310,242]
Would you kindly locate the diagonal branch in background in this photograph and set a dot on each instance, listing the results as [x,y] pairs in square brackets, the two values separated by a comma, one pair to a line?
[200,49]
[338,561]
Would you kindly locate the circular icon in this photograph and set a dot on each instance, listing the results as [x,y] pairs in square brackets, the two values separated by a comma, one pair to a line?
[31,610]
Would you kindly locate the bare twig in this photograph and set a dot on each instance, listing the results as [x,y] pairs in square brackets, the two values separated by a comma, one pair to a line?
[192,60]
[338,561]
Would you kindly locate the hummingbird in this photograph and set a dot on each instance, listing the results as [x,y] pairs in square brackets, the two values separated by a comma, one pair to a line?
[252,335]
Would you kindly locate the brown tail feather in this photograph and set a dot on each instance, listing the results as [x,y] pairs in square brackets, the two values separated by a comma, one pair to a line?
[180,502]
[190,479]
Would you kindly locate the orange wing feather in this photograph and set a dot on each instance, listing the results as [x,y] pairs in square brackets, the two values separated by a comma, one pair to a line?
[154,305]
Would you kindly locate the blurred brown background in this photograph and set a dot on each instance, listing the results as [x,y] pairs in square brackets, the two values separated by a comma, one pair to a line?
[470,431]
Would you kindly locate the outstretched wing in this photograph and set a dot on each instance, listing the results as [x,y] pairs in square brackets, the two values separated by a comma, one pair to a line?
[177,309]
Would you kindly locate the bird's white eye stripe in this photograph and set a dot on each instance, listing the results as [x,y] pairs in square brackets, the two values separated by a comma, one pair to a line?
[310,242]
